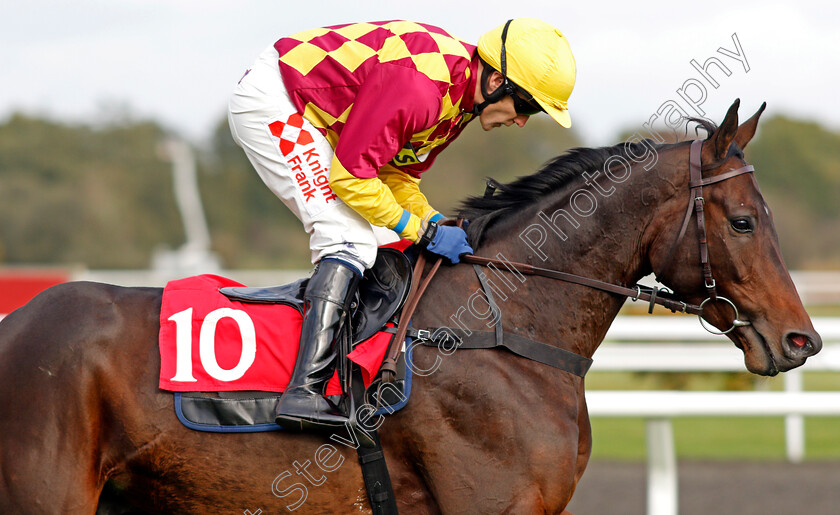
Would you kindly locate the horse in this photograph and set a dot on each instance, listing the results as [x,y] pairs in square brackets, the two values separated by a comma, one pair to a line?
[84,426]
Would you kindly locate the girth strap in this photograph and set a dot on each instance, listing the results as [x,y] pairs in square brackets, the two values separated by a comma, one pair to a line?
[546,354]
[376,477]
[494,308]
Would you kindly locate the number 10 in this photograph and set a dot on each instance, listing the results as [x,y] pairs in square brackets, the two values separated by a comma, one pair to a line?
[207,344]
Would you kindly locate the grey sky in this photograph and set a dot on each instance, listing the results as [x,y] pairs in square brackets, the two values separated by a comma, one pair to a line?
[176,61]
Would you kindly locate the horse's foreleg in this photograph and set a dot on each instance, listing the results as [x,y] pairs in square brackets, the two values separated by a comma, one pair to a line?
[30,488]
[50,443]
[584,436]
[47,462]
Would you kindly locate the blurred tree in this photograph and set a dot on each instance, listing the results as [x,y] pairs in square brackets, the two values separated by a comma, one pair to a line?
[504,154]
[798,167]
[72,194]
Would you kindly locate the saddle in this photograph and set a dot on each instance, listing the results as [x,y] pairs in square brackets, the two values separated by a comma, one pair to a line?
[381,294]
[380,297]
[372,317]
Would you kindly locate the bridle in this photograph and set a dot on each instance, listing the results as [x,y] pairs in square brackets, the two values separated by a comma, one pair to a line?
[695,185]
[655,295]
[652,295]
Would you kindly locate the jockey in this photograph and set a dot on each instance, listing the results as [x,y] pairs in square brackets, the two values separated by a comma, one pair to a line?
[340,123]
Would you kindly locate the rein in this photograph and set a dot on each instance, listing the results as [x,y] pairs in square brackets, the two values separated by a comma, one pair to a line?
[640,292]
[388,369]
[652,295]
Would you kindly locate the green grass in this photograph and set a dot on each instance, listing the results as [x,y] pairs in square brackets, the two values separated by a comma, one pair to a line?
[716,438]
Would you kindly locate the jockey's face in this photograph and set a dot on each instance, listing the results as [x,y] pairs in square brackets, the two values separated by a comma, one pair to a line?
[501,112]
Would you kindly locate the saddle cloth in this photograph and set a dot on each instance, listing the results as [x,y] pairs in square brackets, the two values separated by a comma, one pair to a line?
[209,342]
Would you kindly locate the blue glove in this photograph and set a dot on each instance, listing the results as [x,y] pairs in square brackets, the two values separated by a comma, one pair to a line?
[450,242]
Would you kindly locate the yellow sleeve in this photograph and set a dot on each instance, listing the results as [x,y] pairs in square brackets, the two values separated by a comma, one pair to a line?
[374,201]
[406,190]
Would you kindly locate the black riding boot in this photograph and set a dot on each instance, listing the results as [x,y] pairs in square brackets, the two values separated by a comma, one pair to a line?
[327,298]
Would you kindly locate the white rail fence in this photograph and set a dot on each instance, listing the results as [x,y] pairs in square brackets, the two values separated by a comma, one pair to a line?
[679,344]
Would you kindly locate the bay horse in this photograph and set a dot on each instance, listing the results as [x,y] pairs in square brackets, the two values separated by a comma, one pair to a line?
[84,427]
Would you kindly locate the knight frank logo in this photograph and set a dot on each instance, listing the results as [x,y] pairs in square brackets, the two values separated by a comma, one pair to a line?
[290,133]
[311,174]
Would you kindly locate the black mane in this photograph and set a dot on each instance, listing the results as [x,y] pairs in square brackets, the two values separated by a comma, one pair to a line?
[482,212]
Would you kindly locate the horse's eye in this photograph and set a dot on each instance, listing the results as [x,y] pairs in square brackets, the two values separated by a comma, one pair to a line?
[741,224]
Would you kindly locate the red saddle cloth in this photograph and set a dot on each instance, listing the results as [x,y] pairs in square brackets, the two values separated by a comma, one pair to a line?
[211,343]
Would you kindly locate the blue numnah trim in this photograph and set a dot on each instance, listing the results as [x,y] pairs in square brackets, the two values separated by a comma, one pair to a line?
[215,428]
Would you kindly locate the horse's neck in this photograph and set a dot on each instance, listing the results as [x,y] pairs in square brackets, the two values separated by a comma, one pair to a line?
[605,244]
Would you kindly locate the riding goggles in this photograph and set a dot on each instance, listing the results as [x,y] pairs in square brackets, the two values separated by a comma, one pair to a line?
[524,103]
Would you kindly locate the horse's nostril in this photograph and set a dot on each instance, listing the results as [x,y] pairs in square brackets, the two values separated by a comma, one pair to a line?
[799,345]
[799,340]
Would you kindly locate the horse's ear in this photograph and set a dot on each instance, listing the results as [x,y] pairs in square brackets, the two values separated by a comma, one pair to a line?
[747,130]
[723,136]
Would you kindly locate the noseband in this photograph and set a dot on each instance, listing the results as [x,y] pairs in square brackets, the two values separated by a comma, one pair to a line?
[695,206]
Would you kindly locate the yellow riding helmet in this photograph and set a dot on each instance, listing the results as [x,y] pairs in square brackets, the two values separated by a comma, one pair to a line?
[537,58]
